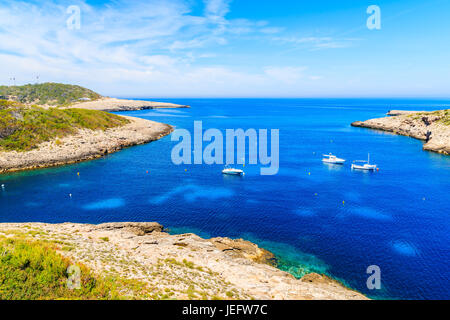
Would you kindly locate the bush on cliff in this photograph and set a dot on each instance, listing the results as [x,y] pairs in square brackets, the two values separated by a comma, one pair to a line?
[23,128]
[48,93]
[35,271]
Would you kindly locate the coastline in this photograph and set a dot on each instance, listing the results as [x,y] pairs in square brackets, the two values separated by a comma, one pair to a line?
[84,145]
[185,265]
[426,126]
[115,105]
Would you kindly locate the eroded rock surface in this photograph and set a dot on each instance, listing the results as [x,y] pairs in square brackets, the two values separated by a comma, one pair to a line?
[431,127]
[182,266]
[113,104]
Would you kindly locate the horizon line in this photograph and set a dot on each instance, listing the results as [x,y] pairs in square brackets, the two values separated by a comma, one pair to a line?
[256,97]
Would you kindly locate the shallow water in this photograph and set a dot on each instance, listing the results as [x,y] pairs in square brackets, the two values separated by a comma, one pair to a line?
[397,218]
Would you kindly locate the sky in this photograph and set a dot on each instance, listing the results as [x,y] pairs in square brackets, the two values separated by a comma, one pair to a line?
[230,48]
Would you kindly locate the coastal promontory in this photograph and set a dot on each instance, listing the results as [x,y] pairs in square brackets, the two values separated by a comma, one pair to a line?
[432,127]
[61,95]
[34,137]
[132,260]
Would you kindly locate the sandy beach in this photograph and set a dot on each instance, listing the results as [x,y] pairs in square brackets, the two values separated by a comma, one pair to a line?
[84,145]
[184,265]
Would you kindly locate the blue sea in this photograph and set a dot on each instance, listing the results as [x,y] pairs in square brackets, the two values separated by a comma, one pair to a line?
[313,216]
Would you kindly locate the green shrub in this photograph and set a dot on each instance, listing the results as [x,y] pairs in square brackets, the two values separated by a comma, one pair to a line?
[23,128]
[35,271]
[48,93]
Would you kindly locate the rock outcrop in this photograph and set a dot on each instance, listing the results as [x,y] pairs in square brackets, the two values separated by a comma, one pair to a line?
[431,127]
[138,228]
[401,112]
[84,145]
[113,104]
[182,266]
[244,248]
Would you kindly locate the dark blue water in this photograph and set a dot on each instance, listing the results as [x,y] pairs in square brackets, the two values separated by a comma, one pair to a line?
[397,218]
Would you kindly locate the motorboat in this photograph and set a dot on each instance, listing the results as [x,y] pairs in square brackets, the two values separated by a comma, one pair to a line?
[233,171]
[330,158]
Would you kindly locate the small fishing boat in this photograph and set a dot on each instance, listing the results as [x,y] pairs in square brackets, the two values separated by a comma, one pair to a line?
[233,171]
[365,165]
[330,158]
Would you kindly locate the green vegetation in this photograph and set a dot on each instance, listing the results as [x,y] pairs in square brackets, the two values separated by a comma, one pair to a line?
[33,270]
[47,93]
[23,128]
[444,116]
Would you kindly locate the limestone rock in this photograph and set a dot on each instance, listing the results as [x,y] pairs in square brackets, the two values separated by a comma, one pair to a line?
[246,249]
[84,145]
[431,127]
[138,228]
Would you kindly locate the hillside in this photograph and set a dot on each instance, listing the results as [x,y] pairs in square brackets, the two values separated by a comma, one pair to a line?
[48,94]
[23,128]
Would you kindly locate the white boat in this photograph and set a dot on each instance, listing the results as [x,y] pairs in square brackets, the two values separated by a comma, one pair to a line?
[365,164]
[330,158]
[233,171]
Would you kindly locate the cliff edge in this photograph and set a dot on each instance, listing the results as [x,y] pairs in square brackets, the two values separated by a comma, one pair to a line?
[182,266]
[432,127]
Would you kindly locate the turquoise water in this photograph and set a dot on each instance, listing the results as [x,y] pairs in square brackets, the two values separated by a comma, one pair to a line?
[397,218]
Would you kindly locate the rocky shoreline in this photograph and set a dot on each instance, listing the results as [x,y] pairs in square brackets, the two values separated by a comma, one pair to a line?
[84,145]
[431,127]
[184,265]
[114,104]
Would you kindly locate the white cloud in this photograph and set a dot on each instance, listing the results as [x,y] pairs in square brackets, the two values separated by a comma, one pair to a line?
[288,75]
[217,8]
[316,43]
[133,49]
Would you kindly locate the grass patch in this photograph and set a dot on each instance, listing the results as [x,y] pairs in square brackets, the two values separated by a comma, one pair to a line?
[444,116]
[33,270]
[23,128]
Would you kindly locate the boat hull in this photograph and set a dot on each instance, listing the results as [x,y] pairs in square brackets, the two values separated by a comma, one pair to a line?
[333,161]
[233,173]
[356,167]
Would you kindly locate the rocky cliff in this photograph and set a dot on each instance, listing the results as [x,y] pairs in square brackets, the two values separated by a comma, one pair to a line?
[113,104]
[182,266]
[431,127]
